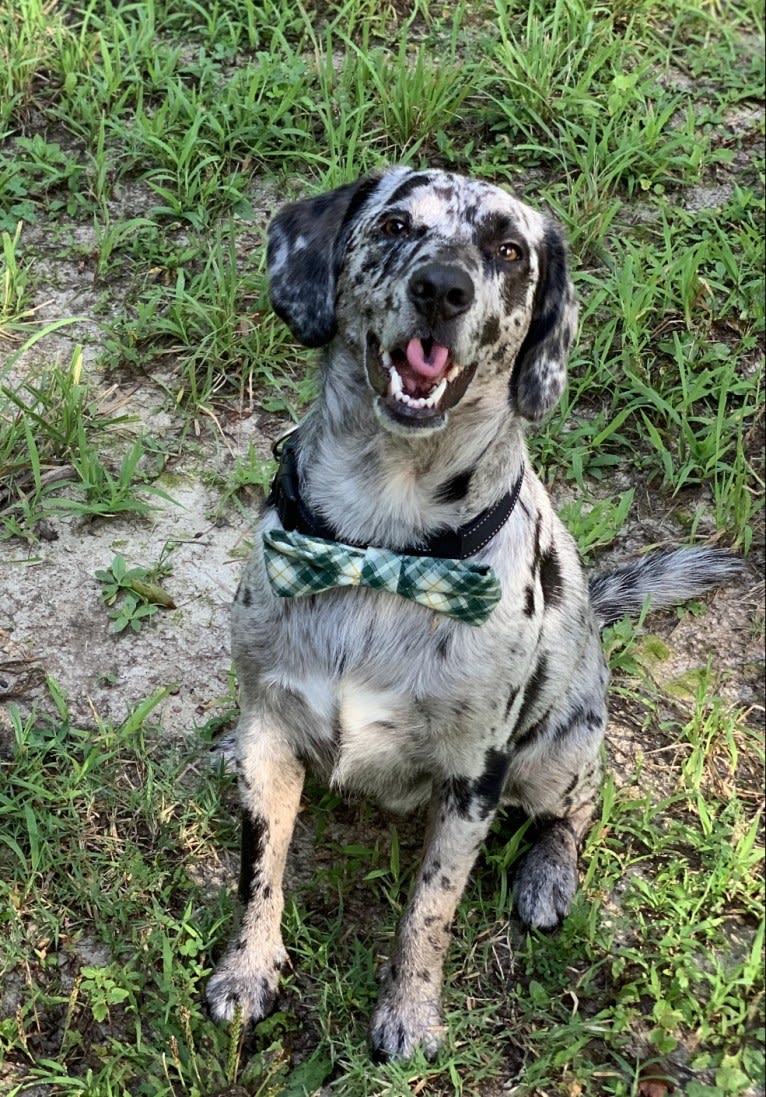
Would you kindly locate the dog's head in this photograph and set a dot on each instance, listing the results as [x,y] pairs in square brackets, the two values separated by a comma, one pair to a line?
[429,278]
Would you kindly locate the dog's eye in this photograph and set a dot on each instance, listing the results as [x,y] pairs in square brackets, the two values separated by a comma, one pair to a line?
[395,226]
[509,252]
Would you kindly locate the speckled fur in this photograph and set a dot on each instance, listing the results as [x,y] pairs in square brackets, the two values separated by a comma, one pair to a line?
[379,695]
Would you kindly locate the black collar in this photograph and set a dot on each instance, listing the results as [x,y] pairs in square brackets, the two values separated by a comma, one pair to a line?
[456,544]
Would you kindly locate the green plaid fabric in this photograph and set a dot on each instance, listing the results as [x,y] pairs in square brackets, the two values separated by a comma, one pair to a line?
[298,565]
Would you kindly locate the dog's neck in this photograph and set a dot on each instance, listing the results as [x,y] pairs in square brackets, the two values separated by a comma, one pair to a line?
[374,486]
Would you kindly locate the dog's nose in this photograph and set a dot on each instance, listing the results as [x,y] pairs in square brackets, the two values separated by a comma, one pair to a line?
[440,291]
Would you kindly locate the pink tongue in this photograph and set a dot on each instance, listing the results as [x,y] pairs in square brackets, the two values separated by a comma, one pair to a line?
[433,365]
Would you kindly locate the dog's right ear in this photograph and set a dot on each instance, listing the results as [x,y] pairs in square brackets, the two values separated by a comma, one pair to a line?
[539,373]
[306,245]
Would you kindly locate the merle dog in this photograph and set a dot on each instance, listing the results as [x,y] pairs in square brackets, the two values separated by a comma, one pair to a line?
[445,310]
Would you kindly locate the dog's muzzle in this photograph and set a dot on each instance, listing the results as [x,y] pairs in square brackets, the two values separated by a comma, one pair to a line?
[418,380]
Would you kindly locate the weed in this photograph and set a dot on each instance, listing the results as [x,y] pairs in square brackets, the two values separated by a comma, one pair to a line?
[13,307]
[249,472]
[134,594]
[40,453]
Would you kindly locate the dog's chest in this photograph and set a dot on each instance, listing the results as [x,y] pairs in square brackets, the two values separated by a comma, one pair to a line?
[389,717]
[377,739]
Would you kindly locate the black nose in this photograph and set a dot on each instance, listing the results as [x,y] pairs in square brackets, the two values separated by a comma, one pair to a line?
[441,292]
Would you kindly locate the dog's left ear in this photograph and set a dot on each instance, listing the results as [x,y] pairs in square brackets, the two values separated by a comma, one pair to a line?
[306,244]
[540,370]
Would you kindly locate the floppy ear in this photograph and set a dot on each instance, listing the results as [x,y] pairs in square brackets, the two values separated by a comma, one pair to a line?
[306,244]
[540,370]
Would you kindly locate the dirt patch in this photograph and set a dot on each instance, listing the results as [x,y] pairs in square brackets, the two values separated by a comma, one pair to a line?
[51,608]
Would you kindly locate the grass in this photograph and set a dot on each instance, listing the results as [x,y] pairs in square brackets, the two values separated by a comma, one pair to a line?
[142,147]
[674,962]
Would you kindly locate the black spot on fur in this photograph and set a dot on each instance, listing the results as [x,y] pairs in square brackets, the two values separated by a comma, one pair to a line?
[411,183]
[572,785]
[479,797]
[255,835]
[490,332]
[430,871]
[488,787]
[511,698]
[529,601]
[550,577]
[471,212]
[446,884]
[443,645]
[369,266]
[245,595]
[514,286]
[533,689]
[458,795]
[531,734]
[577,718]
[454,489]
[536,550]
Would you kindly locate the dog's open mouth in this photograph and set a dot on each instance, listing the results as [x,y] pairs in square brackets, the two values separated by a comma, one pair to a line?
[417,381]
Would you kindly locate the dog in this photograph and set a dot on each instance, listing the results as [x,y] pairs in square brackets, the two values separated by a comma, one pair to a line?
[445,311]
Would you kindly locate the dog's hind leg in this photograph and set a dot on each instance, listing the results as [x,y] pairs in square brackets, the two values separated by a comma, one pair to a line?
[409,1012]
[270,780]
[562,803]
[547,878]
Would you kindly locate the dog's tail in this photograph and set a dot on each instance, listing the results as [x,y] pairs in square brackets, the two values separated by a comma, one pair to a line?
[666,576]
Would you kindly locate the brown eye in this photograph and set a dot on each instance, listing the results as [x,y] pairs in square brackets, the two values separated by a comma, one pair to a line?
[395,226]
[509,252]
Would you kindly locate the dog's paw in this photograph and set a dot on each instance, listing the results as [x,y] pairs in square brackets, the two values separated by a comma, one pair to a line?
[403,1024]
[547,880]
[248,988]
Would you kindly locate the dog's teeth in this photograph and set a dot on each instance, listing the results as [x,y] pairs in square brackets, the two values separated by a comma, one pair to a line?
[396,389]
[386,359]
[453,373]
[437,394]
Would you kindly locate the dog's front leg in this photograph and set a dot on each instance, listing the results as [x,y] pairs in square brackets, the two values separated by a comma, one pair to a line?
[409,1010]
[271,780]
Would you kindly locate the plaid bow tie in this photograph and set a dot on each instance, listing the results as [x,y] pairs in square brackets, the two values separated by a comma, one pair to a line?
[299,565]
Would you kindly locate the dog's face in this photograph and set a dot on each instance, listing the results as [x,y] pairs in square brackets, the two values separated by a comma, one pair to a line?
[430,279]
